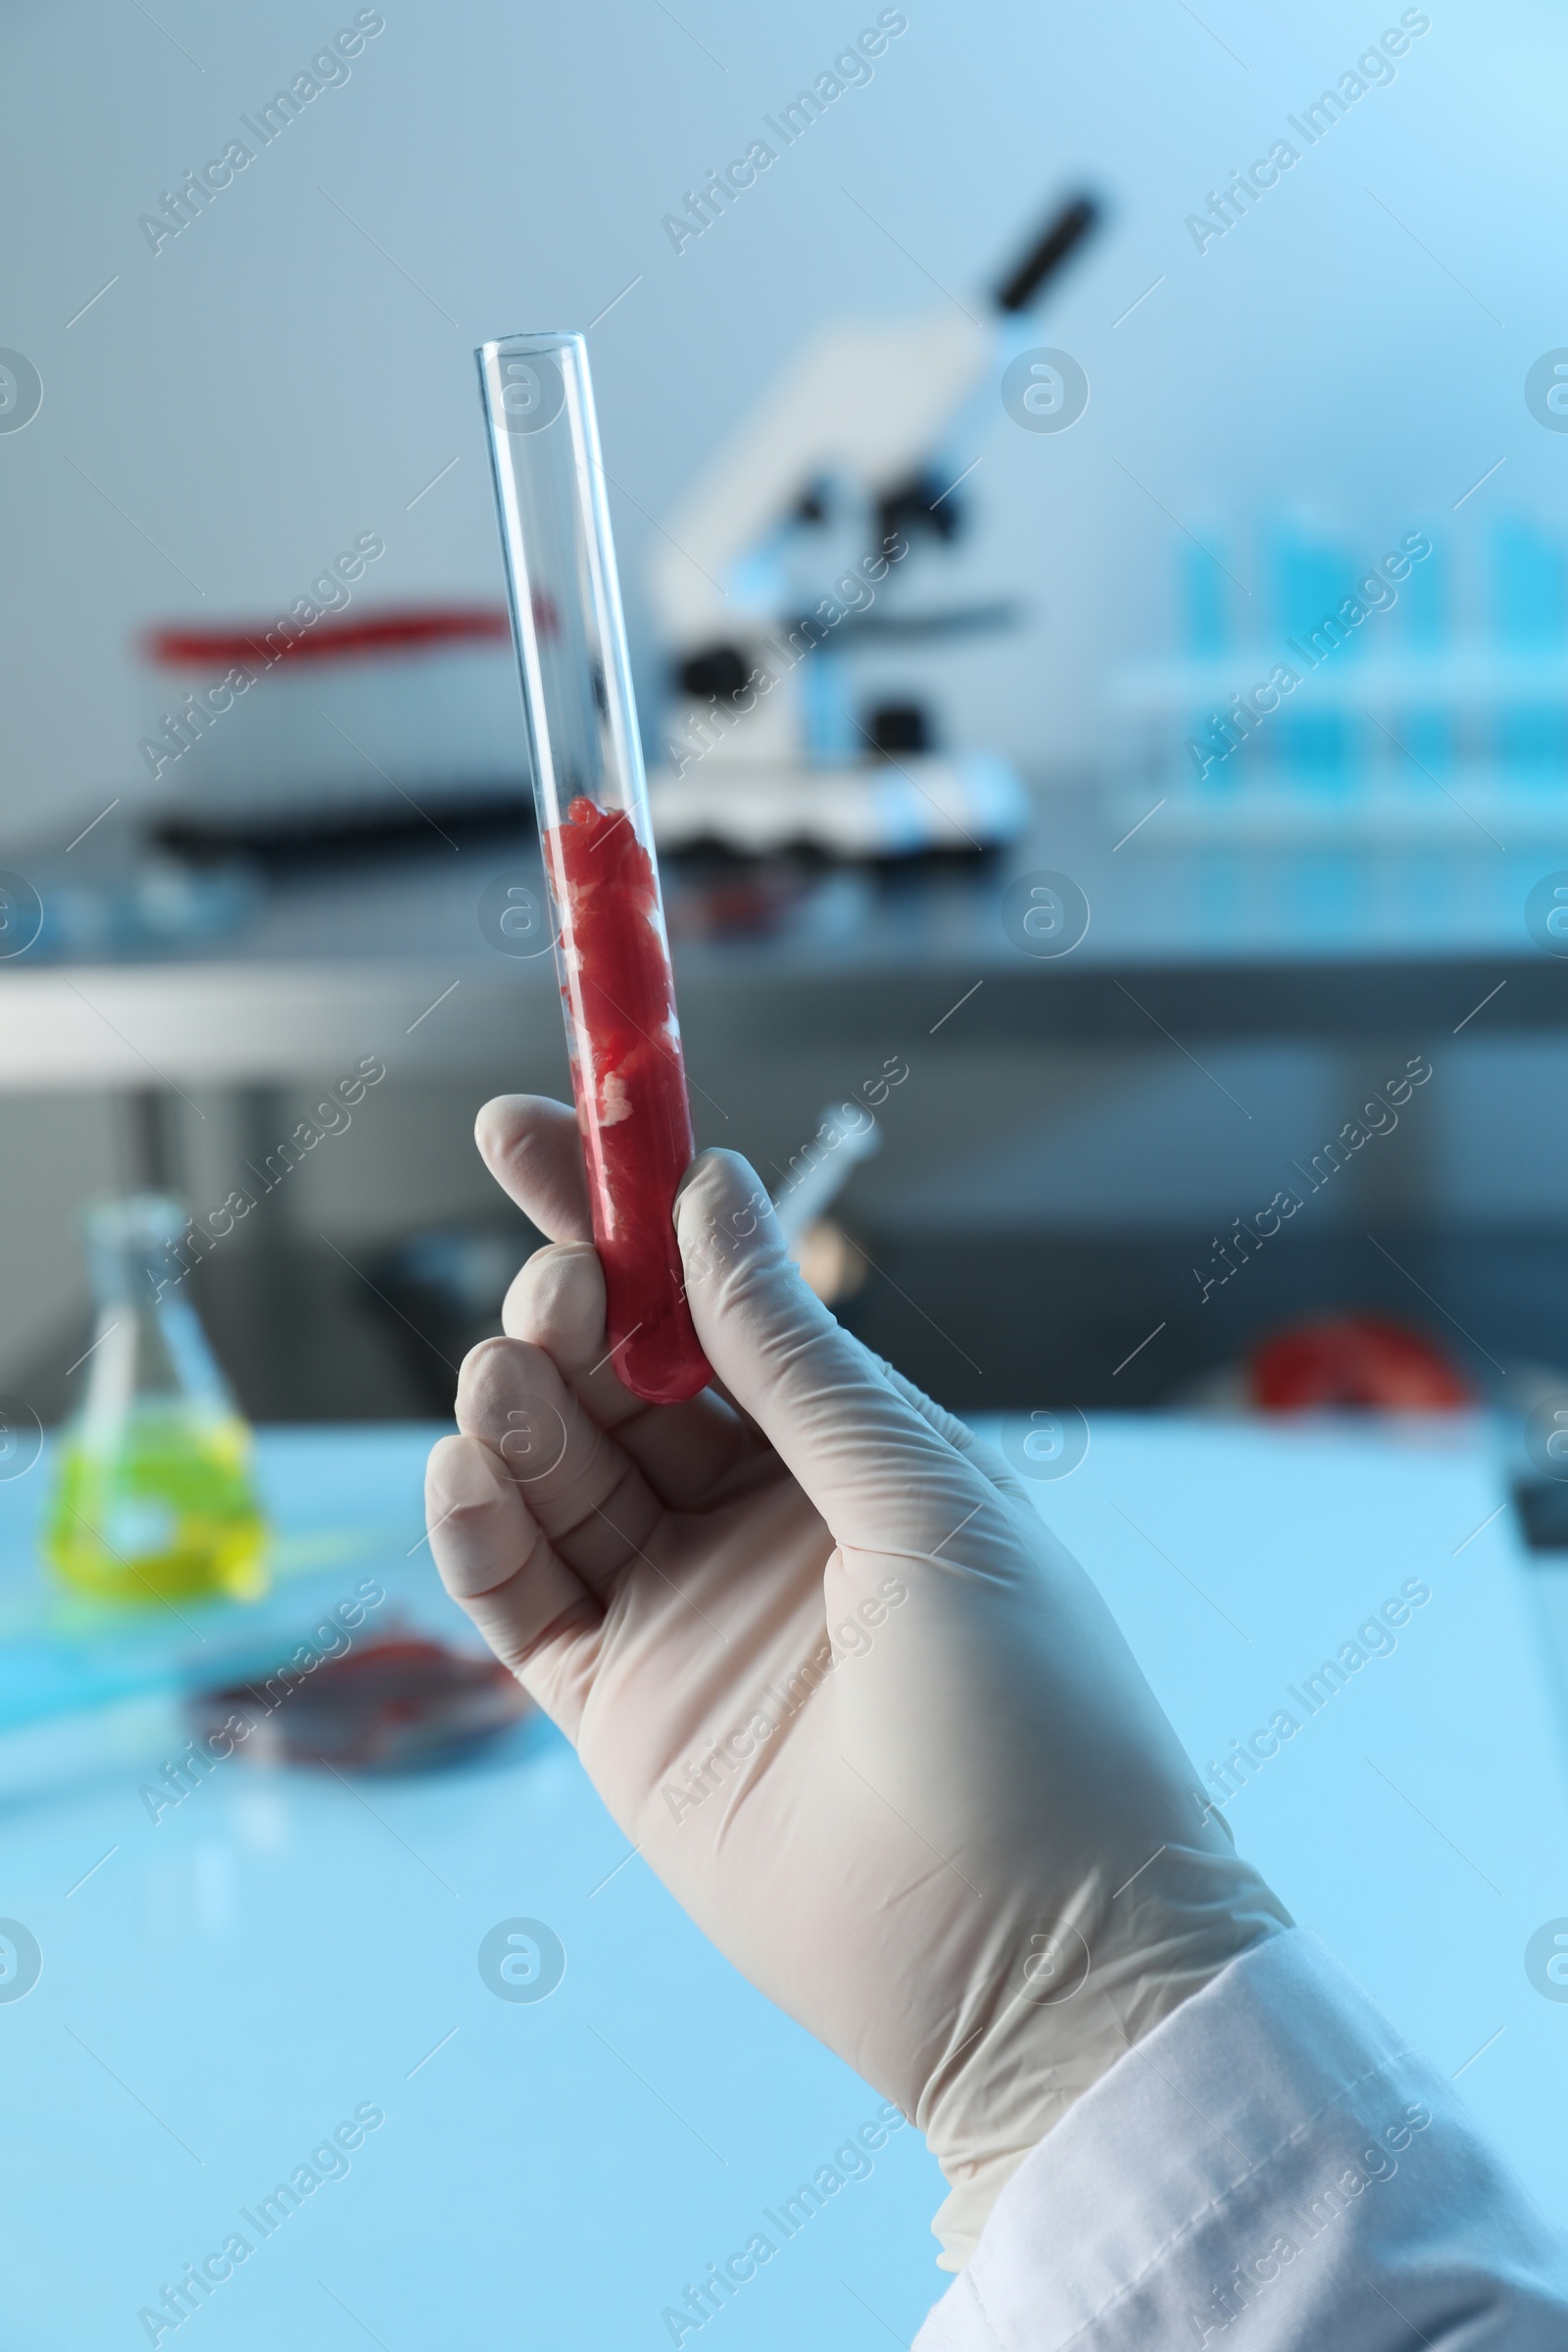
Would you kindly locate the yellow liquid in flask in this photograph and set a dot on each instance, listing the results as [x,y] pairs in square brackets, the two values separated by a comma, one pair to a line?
[153,1494]
[168,1513]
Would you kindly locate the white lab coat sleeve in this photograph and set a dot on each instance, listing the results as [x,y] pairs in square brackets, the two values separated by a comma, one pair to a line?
[1271,2170]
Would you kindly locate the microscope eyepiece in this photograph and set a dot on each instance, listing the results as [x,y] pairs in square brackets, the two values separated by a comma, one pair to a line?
[1061,236]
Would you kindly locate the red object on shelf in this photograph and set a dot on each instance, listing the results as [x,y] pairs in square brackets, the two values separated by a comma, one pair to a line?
[1356,1363]
[630,1083]
[329,639]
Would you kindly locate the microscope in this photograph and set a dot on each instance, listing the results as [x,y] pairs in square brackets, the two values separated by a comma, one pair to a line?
[797,555]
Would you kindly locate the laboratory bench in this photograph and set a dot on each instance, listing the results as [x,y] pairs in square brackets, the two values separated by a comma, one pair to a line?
[287,1950]
[396,951]
[1191,945]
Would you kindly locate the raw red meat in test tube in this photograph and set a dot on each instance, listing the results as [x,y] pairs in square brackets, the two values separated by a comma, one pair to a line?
[613,959]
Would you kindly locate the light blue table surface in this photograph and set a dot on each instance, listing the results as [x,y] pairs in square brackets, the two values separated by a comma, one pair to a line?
[230,1983]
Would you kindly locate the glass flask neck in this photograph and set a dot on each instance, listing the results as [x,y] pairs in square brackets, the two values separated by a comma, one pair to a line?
[149,1348]
[134,1248]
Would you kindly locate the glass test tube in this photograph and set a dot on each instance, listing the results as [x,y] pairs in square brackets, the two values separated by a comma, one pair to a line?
[612,956]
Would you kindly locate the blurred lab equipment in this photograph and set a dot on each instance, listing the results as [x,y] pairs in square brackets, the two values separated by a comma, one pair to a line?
[717,898]
[784,560]
[338,728]
[845,1134]
[153,1497]
[402,1704]
[121,899]
[1408,689]
[442,1286]
[831,1263]
[617,990]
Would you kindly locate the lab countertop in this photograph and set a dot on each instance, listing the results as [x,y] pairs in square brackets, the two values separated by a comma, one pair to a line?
[224,1987]
[386,954]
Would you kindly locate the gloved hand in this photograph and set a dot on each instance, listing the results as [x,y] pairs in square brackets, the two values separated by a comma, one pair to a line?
[867,1720]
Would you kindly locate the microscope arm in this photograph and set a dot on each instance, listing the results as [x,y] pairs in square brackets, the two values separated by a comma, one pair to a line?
[863,403]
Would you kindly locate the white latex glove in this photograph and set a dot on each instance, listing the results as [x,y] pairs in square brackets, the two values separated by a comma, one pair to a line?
[867,1720]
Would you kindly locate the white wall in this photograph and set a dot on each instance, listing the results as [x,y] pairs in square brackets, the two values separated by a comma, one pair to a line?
[274,380]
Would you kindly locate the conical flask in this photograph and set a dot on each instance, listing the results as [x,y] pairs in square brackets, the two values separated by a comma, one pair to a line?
[153,1496]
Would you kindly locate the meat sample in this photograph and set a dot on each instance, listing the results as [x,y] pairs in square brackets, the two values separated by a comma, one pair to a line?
[630,1084]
